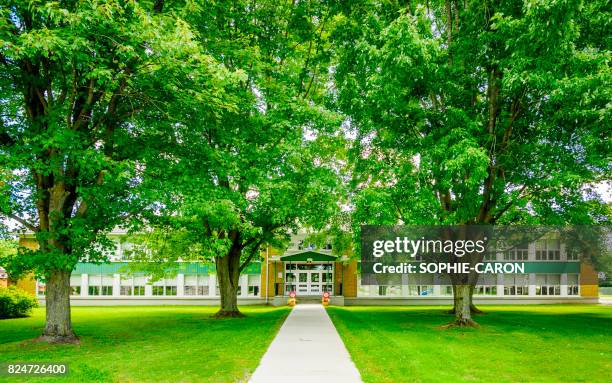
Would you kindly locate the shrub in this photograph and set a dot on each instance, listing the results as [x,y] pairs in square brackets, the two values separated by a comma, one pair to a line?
[15,303]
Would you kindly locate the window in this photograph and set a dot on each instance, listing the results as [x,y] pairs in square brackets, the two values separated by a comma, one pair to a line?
[107,290]
[517,253]
[75,285]
[126,286]
[139,290]
[171,290]
[572,255]
[94,284]
[289,288]
[446,287]
[129,251]
[516,284]
[197,285]
[548,284]
[41,289]
[446,290]
[203,289]
[190,290]
[107,285]
[125,290]
[487,285]
[389,291]
[313,266]
[130,286]
[100,285]
[165,287]
[253,283]
[303,246]
[420,290]
[377,290]
[573,287]
[548,250]
[158,290]
[485,290]
[191,285]
[290,277]
[328,280]
[420,285]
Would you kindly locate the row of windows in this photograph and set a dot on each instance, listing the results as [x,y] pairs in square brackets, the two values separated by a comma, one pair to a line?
[482,290]
[545,250]
[198,285]
[514,285]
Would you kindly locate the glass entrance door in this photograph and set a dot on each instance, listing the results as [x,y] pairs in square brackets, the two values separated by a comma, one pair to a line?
[309,279]
[315,283]
[303,283]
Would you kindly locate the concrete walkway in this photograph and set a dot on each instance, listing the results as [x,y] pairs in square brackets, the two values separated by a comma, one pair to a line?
[307,349]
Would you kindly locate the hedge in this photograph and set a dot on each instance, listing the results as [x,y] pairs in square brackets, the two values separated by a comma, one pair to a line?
[15,303]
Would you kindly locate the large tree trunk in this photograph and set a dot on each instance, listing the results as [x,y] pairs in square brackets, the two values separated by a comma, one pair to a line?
[58,328]
[463,301]
[473,308]
[463,306]
[228,275]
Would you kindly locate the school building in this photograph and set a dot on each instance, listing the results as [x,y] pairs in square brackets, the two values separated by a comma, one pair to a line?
[550,277]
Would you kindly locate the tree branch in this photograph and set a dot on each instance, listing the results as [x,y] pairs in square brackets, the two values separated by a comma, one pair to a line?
[508,205]
[23,222]
[254,251]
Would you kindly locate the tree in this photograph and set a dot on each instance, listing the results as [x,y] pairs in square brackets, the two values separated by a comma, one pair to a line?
[241,185]
[244,180]
[84,87]
[475,113]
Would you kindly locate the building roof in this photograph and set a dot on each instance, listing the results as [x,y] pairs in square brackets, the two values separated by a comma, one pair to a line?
[308,255]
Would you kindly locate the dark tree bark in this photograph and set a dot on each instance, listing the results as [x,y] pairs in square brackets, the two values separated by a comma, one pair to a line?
[228,275]
[463,284]
[58,328]
[158,7]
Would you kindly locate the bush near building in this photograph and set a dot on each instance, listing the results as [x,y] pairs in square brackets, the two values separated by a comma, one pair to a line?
[16,303]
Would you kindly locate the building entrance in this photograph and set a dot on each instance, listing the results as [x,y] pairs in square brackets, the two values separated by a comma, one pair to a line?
[309,278]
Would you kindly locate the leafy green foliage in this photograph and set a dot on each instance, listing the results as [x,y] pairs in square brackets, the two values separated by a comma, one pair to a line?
[15,303]
[475,112]
[272,163]
[85,87]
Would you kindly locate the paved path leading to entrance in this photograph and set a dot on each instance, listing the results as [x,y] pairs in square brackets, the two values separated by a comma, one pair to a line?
[307,349]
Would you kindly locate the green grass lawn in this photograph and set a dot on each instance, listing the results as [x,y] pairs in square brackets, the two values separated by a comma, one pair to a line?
[148,344]
[544,343]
